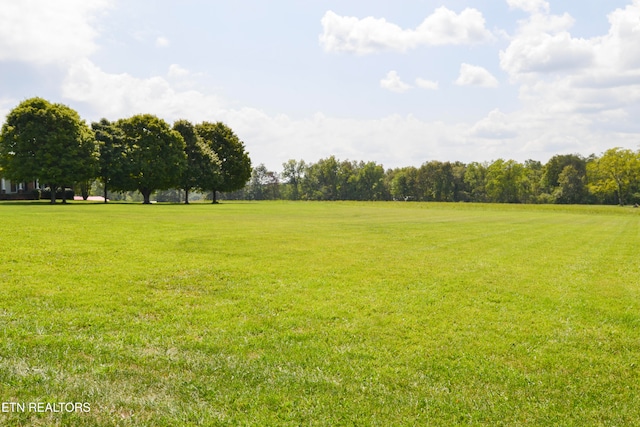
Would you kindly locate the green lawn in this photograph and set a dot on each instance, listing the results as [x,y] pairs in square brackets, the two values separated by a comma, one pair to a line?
[320,314]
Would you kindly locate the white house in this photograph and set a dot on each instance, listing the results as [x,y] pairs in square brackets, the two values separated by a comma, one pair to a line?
[10,190]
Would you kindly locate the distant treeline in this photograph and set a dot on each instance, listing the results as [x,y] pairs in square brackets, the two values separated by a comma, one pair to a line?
[612,178]
[49,145]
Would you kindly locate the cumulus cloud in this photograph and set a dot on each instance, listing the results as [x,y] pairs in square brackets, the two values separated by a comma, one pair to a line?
[393,82]
[564,104]
[473,75]
[6,104]
[619,49]
[531,6]
[536,131]
[45,32]
[566,74]
[120,95]
[576,94]
[162,42]
[426,84]
[369,35]
[177,71]
[395,140]
[270,139]
[546,53]
[542,43]
[497,125]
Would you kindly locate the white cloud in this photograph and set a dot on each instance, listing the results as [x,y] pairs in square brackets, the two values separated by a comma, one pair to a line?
[560,73]
[162,42]
[542,43]
[564,107]
[497,125]
[393,83]
[6,104]
[426,84]
[473,75]
[546,53]
[620,48]
[177,71]
[531,6]
[369,35]
[446,27]
[120,95]
[46,32]
[535,131]
[393,140]
[577,95]
[270,139]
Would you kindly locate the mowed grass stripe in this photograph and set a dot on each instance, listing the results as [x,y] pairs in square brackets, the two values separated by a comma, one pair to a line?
[322,313]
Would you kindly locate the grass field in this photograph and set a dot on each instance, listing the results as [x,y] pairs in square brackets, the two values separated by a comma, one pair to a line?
[320,314]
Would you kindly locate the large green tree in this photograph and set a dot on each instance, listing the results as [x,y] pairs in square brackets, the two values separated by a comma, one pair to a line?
[435,181]
[264,184]
[203,168]
[293,171]
[616,172]
[554,167]
[505,181]
[571,186]
[402,183]
[114,168]
[235,164]
[369,181]
[155,155]
[475,177]
[49,143]
[322,180]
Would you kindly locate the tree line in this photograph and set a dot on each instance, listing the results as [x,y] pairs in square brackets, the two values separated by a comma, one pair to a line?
[611,178]
[49,143]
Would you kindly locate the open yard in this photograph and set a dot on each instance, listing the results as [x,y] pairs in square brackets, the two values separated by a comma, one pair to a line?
[320,314]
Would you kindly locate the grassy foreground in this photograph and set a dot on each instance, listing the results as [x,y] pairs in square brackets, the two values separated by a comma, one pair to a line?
[320,314]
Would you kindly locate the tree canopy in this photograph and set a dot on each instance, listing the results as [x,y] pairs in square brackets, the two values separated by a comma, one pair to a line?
[617,171]
[155,155]
[49,143]
[203,168]
[235,164]
[113,163]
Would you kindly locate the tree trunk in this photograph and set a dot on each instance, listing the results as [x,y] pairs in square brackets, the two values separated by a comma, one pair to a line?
[53,188]
[620,193]
[84,189]
[214,197]
[105,192]
[186,196]
[147,196]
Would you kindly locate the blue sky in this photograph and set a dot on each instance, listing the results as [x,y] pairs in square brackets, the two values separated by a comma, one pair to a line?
[399,82]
